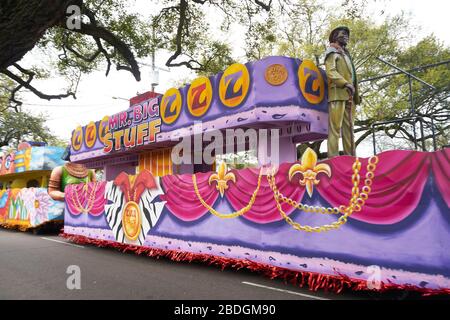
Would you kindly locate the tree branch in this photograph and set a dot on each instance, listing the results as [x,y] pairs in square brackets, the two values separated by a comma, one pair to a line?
[363,137]
[263,5]
[179,36]
[79,55]
[98,32]
[26,84]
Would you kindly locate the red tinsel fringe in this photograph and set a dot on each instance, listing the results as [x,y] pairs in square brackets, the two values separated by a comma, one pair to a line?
[314,281]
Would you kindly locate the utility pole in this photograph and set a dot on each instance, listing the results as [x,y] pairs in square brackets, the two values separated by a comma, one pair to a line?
[154,73]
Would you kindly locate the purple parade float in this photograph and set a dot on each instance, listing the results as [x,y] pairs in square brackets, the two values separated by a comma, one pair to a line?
[344,223]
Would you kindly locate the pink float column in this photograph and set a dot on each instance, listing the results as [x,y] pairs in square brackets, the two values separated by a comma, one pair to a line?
[275,149]
[288,150]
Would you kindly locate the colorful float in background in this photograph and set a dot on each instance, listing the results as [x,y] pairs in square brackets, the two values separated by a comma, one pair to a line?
[380,223]
[24,175]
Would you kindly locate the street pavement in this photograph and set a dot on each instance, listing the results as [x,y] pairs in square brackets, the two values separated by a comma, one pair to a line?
[35,267]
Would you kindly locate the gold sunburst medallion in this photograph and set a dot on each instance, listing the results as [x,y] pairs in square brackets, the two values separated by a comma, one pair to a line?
[276,74]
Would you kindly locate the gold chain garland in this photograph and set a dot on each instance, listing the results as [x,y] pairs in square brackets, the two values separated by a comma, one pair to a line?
[300,206]
[356,202]
[90,202]
[315,209]
[233,214]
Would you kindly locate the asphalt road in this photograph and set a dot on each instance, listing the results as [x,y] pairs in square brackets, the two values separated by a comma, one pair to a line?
[35,267]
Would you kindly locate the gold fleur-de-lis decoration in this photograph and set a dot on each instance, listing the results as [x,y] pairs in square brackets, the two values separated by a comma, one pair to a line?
[222,178]
[309,169]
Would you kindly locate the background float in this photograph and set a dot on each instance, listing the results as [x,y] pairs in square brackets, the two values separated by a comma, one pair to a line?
[24,175]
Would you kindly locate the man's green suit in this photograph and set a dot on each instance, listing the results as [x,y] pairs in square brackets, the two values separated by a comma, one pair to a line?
[340,71]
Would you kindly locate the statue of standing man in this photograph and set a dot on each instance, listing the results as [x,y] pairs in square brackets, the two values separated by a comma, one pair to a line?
[343,93]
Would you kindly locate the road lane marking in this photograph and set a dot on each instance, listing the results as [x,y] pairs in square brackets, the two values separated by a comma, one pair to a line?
[67,243]
[282,290]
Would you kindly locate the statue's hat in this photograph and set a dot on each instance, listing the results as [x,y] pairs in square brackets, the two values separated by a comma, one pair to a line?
[335,30]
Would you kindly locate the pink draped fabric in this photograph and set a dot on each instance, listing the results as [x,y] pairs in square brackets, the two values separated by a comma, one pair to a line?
[184,203]
[76,196]
[400,178]
[399,183]
[440,163]
[181,198]
[264,209]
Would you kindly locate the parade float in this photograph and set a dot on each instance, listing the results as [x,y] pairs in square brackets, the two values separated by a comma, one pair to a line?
[344,223]
[24,174]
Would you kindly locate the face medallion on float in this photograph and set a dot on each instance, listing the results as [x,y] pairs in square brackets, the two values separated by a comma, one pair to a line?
[131,220]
